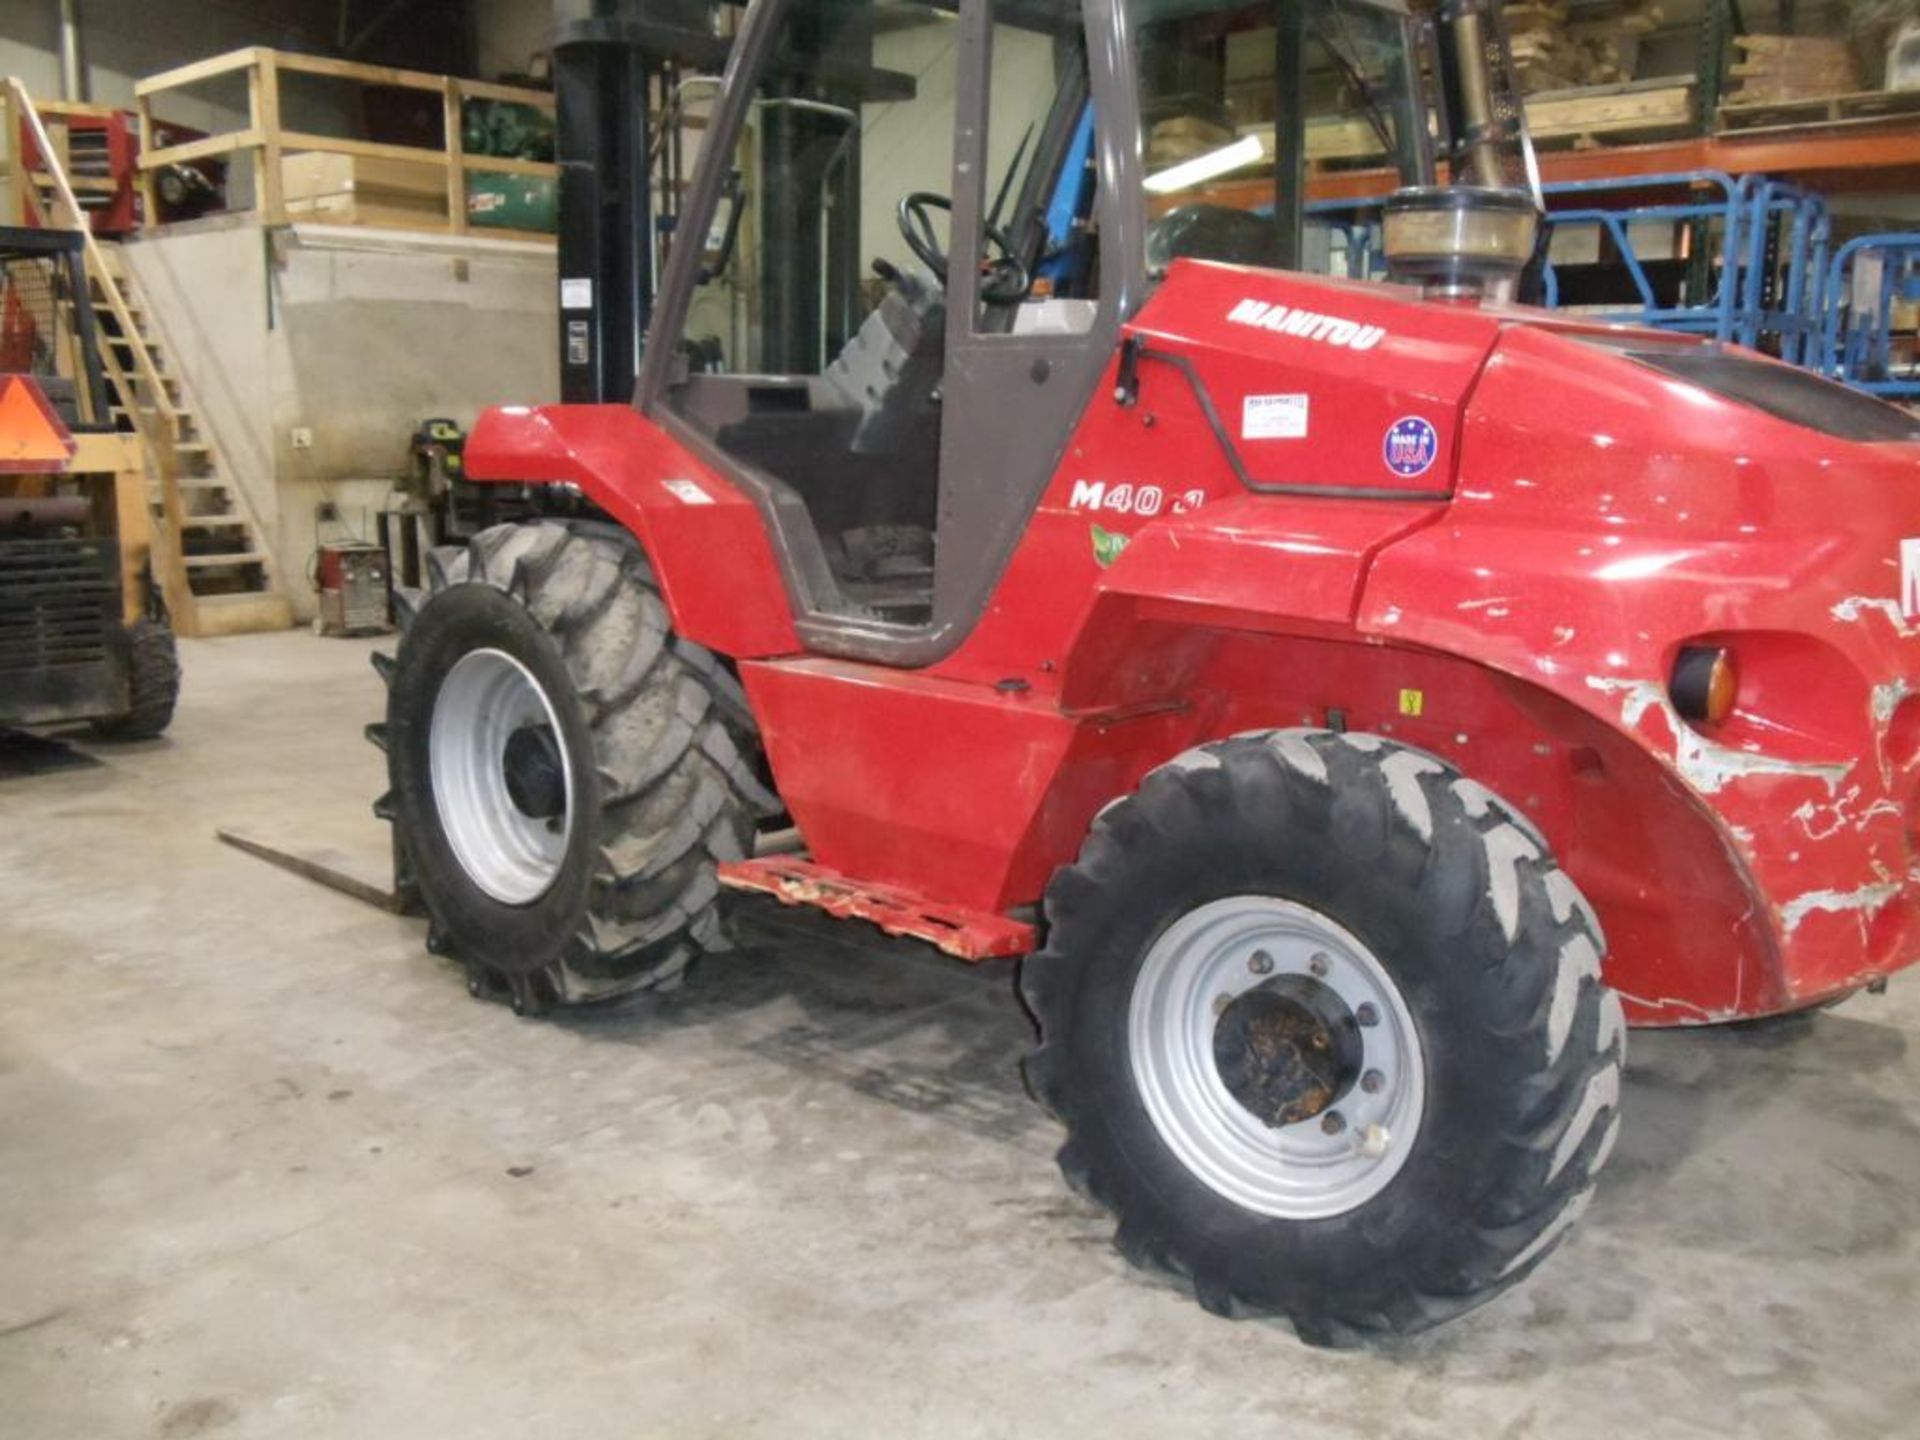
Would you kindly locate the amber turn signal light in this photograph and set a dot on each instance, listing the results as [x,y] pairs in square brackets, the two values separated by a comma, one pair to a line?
[1704,684]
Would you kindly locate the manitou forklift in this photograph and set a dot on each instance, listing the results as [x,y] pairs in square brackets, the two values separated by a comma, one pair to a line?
[83,633]
[1354,701]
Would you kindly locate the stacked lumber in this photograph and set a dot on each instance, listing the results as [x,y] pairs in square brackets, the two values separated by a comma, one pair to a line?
[1549,53]
[1776,68]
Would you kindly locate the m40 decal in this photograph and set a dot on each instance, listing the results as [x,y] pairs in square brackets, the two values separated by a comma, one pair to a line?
[1125,498]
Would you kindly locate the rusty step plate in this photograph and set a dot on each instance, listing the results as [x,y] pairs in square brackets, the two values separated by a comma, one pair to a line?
[969,935]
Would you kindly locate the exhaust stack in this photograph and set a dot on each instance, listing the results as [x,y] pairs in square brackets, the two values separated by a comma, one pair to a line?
[1478,234]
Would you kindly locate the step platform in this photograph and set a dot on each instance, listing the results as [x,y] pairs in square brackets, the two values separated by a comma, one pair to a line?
[970,935]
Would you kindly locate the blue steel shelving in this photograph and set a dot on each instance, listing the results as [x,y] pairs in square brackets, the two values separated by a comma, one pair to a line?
[1762,269]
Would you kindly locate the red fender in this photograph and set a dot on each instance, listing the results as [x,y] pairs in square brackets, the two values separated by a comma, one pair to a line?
[709,548]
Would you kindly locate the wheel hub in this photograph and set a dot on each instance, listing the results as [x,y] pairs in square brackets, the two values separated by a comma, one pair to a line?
[535,773]
[1276,1057]
[1288,1049]
[501,776]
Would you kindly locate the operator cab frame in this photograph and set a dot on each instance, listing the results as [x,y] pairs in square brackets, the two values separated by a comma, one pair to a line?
[897,455]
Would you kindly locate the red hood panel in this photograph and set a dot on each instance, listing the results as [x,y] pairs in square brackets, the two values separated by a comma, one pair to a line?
[1322,383]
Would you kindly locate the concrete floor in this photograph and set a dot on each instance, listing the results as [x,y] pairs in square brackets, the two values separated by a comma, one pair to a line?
[266,1170]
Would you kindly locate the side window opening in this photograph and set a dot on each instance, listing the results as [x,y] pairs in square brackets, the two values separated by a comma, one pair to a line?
[1223,88]
[817,349]
[1041,179]
[816,344]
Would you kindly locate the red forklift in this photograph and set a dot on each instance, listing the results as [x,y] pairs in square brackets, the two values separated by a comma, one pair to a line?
[1356,702]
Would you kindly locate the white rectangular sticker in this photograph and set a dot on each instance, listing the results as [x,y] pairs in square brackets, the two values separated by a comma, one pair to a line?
[1910,579]
[688,493]
[576,294]
[1273,417]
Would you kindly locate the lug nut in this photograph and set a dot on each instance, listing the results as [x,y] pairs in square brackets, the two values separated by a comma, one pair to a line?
[1220,1004]
[1319,965]
[1260,963]
[1373,1082]
[1374,1143]
[1368,1014]
[1333,1122]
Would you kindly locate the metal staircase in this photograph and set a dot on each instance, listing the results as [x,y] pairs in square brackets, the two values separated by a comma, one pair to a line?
[212,562]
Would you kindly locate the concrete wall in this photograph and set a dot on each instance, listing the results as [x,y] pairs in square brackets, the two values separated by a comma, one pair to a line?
[347,335]
[508,33]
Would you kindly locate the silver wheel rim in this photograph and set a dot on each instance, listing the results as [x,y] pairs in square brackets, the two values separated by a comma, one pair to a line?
[1300,1171]
[485,698]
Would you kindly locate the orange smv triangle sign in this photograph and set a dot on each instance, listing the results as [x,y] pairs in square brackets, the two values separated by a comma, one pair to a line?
[32,439]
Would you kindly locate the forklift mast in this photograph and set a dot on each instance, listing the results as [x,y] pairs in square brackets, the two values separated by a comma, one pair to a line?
[614,62]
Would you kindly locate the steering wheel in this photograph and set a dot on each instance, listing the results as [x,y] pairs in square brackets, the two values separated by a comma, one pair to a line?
[1004,278]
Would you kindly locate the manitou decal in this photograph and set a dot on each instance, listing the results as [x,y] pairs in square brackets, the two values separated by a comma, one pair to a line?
[1910,579]
[1307,325]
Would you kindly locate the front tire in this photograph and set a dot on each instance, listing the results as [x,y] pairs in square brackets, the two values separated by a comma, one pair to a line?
[566,772]
[1326,1027]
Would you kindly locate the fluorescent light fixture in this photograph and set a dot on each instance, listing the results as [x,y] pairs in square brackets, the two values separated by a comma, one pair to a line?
[1202,168]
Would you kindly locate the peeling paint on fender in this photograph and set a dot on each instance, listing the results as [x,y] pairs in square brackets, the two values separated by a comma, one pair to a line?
[1887,698]
[1690,1013]
[1706,766]
[1867,897]
[1819,822]
[1854,607]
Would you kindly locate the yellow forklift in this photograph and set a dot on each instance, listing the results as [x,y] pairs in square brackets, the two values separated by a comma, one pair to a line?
[84,634]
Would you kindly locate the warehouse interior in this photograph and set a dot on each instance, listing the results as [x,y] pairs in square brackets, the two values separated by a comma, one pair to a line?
[637,799]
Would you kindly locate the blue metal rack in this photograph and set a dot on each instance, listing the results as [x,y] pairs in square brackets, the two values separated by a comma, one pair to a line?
[1856,340]
[1761,269]
[1714,206]
[1766,247]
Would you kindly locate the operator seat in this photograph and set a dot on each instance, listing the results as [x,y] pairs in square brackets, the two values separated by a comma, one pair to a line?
[890,368]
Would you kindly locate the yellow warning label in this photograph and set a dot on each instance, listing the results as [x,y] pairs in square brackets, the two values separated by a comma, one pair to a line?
[1412,702]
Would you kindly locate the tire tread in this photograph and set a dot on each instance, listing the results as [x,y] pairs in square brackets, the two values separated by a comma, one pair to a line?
[1477,845]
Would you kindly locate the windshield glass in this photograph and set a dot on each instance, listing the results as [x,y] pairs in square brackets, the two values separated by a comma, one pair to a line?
[1237,99]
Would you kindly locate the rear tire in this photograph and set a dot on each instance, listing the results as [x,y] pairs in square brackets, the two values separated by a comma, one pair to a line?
[566,772]
[153,682]
[1419,924]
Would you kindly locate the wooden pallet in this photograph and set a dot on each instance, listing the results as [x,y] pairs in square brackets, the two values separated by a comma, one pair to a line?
[1637,110]
[1862,108]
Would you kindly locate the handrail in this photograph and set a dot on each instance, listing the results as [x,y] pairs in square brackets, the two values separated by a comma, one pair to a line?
[266,141]
[76,220]
[163,446]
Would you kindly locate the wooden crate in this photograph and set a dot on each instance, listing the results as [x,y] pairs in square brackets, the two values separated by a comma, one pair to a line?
[352,210]
[1774,68]
[307,176]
